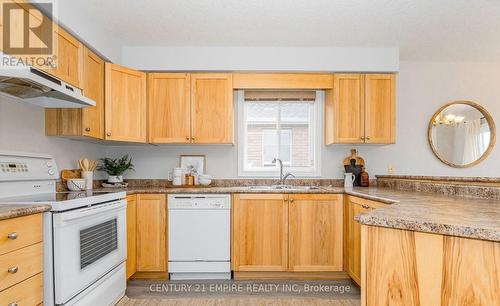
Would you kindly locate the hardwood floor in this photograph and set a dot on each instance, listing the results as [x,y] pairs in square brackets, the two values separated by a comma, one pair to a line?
[279,292]
[238,302]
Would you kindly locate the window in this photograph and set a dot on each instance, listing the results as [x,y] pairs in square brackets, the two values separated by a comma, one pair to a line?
[279,124]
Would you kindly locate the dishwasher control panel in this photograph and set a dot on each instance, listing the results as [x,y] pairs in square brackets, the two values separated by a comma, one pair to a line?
[198,201]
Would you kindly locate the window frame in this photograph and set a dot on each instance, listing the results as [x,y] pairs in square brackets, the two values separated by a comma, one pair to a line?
[316,131]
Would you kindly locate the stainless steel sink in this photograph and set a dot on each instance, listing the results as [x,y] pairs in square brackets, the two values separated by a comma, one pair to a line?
[283,187]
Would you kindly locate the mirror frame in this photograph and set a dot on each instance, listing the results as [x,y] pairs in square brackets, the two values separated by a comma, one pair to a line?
[488,118]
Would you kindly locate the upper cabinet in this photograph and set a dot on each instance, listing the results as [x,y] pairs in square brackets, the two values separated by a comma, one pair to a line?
[169,98]
[190,108]
[361,109]
[88,121]
[212,108]
[380,112]
[125,106]
[69,53]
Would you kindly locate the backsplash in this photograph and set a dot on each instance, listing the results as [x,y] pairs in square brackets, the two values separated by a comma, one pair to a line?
[471,187]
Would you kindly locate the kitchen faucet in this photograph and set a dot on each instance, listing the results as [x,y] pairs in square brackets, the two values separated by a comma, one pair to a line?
[283,178]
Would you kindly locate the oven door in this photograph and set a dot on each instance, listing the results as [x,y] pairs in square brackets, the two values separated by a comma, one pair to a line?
[88,243]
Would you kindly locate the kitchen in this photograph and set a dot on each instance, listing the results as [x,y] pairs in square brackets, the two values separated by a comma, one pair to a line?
[241,112]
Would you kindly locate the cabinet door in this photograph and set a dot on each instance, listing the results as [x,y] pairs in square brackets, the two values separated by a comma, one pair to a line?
[315,232]
[353,207]
[131,235]
[380,114]
[69,61]
[260,232]
[349,108]
[125,93]
[151,233]
[169,108]
[212,108]
[93,88]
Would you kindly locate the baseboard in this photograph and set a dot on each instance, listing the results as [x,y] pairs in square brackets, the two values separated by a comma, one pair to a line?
[338,275]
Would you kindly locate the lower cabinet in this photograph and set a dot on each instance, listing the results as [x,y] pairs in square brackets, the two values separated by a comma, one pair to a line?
[151,233]
[287,232]
[352,240]
[315,232]
[131,235]
[260,232]
[146,235]
[404,267]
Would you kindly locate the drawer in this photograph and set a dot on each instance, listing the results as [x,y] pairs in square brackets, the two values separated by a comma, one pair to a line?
[28,261]
[27,293]
[20,232]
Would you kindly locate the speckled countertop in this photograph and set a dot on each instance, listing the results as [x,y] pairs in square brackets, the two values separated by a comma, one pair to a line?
[424,212]
[8,211]
[433,213]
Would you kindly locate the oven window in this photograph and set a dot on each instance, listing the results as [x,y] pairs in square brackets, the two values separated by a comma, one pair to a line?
[97,241]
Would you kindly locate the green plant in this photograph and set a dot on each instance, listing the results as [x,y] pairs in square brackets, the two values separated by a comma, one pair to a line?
[116,166]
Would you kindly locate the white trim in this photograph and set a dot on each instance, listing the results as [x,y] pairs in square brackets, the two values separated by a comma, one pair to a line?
[316,133]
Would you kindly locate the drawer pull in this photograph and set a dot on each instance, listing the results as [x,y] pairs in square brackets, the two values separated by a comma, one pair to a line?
[13,270]
[365,206]
[12,236]
[13,304]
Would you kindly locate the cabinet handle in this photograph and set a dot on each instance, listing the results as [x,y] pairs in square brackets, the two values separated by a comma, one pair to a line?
[192,138]
[362,137]
[12,236]
[291,200]
[365,206]
[108,134]
[187,138]
[13,270]
[13,304]
[367,137]
[87,129]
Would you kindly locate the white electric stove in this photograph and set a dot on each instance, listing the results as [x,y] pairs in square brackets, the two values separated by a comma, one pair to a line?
[85,245]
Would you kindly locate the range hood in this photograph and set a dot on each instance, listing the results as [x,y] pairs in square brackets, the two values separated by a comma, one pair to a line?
[35,86]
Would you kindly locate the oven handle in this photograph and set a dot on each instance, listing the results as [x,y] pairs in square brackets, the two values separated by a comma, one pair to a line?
[86,212]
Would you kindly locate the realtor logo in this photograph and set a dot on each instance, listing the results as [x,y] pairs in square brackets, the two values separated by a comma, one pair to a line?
[26,30]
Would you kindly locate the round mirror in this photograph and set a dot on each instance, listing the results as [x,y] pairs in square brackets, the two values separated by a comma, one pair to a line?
[462,134]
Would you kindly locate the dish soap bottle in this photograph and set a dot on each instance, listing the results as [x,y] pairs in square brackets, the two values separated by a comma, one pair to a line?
[364,180]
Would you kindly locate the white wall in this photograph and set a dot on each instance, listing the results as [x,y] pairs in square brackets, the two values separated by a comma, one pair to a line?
[422,88]
[261,59]
[22,128]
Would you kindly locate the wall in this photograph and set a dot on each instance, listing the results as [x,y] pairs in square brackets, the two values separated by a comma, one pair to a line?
[422,88]
[261,58]
[22,128]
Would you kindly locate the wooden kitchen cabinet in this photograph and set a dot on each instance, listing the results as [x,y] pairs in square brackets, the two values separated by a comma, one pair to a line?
[361,109]
[287,232]
[131,235]
[403,267]
[352,239]
[212,110]
[380,112]
[151,233]
[88,121]
[169,98]
[125,104]
[69,58]
[260,232]
[315,232]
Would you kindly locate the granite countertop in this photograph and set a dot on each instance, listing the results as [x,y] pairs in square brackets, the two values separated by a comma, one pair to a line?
[8,211]
[417,211]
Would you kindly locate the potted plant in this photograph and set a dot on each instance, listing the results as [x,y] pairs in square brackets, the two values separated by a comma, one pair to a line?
[115,167]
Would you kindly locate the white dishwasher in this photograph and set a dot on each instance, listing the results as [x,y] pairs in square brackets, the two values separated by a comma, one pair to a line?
[199,236]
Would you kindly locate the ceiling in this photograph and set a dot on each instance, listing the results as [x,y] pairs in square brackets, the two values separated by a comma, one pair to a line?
[435,30]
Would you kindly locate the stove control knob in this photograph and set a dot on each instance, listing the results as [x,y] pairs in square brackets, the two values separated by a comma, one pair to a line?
[51,172]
